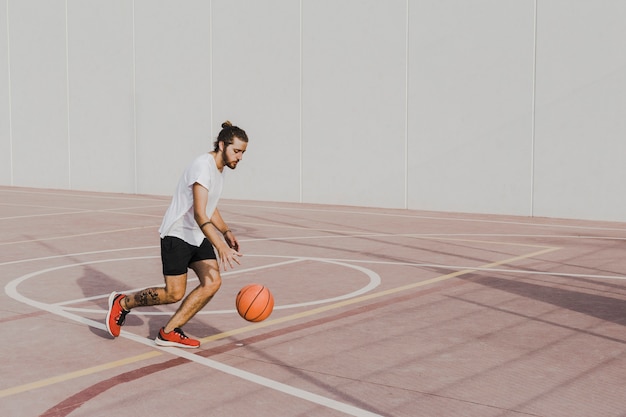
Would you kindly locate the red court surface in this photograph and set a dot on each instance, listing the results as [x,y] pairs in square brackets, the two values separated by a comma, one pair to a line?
[378,312]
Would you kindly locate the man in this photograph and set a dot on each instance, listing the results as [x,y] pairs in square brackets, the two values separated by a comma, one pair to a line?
[191,229]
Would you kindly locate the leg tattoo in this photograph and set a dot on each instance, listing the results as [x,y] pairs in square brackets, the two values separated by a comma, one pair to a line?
[147,297]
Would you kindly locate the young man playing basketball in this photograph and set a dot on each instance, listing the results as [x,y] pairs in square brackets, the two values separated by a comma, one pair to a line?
[191,228]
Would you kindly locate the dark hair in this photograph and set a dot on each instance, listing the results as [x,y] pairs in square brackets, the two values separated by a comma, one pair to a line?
[228,135]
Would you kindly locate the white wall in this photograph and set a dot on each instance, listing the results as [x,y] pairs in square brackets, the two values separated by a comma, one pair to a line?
[490,106]
[172,89]
[5,130]
[470,105]
[353,110]
[256,85]
[38,86]
[101,116]
[580,150]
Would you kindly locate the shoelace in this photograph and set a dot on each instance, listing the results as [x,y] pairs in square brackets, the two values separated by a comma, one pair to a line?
[180,333]
[122,318]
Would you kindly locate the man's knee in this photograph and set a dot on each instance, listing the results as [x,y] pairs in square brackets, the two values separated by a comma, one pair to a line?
[210,286]
[215,283]
[174,293]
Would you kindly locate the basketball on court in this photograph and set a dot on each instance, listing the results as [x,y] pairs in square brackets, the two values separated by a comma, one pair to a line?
[254,302]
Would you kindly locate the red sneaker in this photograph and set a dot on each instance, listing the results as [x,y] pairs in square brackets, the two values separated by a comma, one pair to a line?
[176,338]
[116,315]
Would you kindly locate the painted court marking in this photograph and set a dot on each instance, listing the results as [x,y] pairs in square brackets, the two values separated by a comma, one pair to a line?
[11,290]
[424,217]
[62,309]
[374,281]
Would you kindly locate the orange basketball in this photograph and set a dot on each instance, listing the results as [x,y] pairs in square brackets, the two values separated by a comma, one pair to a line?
[254,302]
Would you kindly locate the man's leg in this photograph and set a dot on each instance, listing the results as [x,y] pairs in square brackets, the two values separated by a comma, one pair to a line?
[208,273]
[121,304]
[174,291]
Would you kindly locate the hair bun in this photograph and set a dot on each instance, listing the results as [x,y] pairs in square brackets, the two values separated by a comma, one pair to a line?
[226,124]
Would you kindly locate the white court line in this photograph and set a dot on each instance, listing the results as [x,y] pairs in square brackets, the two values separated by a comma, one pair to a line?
[122,210]
[69,255]
[234,203]
[426,265]
[395,235]
[513,235]
[40,206]
[223,274]
[374,278]
[83,195]
[119,212]
[11,290]
[69,237]
[374,281]
[156,226]
[63,213]
[465,267]
[354,235]
[134,208]
[512,271]
[417,216]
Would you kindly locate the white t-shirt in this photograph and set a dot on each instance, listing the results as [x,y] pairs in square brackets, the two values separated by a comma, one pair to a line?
[179,220]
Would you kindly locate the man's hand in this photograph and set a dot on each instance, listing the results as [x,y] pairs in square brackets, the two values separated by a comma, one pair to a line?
[231,240]
[228,256]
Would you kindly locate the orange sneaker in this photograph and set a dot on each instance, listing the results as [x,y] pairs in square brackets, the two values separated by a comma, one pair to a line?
[116,315]
[176,338]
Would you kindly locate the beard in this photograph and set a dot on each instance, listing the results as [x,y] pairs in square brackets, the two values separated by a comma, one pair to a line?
[230,163]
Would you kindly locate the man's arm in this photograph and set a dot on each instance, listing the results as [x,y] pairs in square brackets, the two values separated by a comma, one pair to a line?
[228,234]
[200,198]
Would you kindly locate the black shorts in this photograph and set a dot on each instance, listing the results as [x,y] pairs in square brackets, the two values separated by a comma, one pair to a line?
[177,255]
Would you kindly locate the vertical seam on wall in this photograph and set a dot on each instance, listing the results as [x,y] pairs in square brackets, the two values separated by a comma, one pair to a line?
[301,182]
[406,111]
[134,98]
[211,69]
[10,104]
[533,111]
[67,95]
